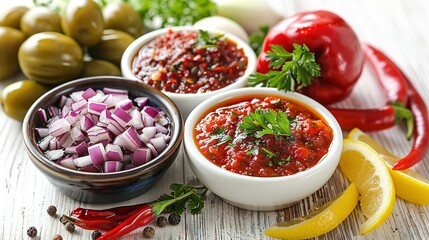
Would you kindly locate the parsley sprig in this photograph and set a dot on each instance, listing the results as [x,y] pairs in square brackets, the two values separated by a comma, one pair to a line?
[181,195]
[266,121]
[219,134]
[297,69]
[207,40]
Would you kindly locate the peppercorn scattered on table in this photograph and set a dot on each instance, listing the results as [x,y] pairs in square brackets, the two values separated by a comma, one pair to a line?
[31,206]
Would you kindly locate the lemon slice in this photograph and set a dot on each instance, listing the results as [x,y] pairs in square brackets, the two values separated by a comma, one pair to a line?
[363,166]
[409,185]
[319,222]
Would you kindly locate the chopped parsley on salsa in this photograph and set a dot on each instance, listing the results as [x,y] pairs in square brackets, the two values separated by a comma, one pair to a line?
[263,137]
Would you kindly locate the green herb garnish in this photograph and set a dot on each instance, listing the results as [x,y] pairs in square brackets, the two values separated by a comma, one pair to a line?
[206,40]
[268,153]
[266,121]
[190,196]
[219,134]
[296,68]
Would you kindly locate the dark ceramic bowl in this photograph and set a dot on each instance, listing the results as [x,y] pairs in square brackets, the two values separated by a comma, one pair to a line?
[104,187]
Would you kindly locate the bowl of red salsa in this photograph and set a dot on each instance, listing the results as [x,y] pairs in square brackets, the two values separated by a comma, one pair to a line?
[188,64]
[262,149]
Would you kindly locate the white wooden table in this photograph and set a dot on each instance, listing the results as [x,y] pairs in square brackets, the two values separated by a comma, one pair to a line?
[398,27]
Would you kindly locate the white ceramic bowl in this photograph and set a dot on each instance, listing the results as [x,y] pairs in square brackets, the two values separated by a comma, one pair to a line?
[187,102]
[261,193]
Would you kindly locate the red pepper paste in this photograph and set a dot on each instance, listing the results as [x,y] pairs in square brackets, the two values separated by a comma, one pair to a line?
[174,62]
[220,139]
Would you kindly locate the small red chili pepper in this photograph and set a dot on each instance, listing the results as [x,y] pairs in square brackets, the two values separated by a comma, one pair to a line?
[104,225]
[140,218]
[174,203]
[373,119]
[421,130]
[390,77]
[117,214]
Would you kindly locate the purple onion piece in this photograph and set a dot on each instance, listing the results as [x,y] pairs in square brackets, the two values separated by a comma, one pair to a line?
[114,153]
[82,149]
[125,104]
[151,111]
[67,162]
[88,93]
[42,132]
[112,166]
[159,143]
[42,115]
[77,96]
[97,153]
[141,156]
[59,127]
[80,106]
[98,134]
[141,101]
[96,108]
[152,149]
[121,116]
[54,154]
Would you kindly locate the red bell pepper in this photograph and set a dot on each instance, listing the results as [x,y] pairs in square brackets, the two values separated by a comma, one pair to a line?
[336,47]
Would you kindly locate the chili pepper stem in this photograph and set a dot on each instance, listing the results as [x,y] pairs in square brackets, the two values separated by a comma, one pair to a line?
[403,113]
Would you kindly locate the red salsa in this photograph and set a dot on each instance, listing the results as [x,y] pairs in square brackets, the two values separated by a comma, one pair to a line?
[180,62]
[220,138]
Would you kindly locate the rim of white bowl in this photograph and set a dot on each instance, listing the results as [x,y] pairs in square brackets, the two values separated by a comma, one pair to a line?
[136,45]
[202,108]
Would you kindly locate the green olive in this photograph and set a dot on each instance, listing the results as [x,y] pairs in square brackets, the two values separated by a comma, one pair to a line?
[99,68]
[12,17]
[83,21]
[40,19]
[17,97]
[111,47]
[50,58]
[121,16]
[10,40]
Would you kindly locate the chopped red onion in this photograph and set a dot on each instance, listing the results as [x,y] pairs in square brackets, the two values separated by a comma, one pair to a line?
[67,162]
[98,134]
[159,143]
[81,149]
[96,108]
[85,123]
[71,117]
[141,101]
[112,166]
[114,153]
[88,93]
[59,127]
[128,139]
[42,132]
[42,115]
[114,91]
[126,104]
[151,111]
[97,153]
[141,156]
[121,116]
[102,130]
[77,96]
[54,154]
[76,134]
[79,106]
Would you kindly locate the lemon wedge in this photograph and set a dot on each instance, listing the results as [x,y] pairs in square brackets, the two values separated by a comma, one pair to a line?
[319,222]
[409,185]
[363,166]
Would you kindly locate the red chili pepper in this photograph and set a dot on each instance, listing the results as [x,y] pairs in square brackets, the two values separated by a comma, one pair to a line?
[365,119]
[175,202]
[104,225]
[393,82]
[117,214]
[140,218]
[421,130]
[373,119]
[337,50]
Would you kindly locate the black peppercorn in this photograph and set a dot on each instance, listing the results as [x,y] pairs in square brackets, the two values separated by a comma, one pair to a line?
[70,227]
[148,232]
[52,210]
[174,219]
[161,221]
[57,237]
[31,231]
[95,234]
